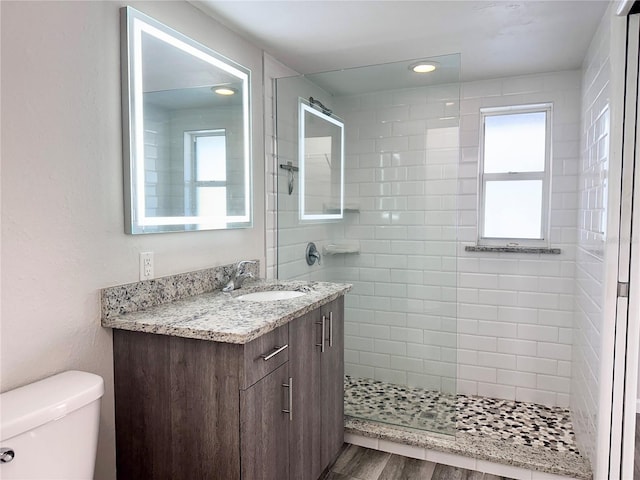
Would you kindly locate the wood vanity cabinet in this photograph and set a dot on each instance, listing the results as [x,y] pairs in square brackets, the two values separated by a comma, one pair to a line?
[317,432]
[197,409]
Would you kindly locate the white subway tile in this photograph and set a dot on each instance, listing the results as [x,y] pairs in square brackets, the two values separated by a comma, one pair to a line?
[517,315]
[553,383]
[390,347]
[497,360]
[537,365]
[451,459]
[554,351]
[392,376]
[358,343]
[497,329]
[402,449]
[393,114]
[538,332]
[361,440]
[535,396]
[501,470]
[477,342]
[478,374]
[407,364]
[516,378]
[412,335]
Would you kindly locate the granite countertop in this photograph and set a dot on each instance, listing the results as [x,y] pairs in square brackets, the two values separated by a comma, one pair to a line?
[220,317]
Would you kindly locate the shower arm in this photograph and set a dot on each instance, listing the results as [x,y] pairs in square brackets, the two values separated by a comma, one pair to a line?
[318,103]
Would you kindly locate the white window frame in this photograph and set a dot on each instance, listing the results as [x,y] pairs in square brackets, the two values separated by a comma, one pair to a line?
[545,176]
[190,167]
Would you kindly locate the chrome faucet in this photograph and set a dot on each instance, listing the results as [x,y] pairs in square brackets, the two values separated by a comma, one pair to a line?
[239,276]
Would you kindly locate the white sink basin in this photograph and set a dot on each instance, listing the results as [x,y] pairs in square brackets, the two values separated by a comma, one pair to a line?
[270,296]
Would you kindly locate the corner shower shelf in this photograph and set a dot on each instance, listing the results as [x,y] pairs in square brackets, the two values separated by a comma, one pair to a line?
[347,208]
[340,248]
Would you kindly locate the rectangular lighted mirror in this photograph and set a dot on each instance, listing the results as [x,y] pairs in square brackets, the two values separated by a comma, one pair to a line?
[186,132]
[321,163]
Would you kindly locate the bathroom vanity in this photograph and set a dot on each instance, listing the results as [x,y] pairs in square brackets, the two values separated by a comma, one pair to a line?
[215,387]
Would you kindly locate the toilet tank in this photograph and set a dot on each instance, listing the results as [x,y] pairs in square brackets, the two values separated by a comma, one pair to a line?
[52,427]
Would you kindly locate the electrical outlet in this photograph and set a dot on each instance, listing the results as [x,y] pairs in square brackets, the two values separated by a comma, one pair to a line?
[146,266]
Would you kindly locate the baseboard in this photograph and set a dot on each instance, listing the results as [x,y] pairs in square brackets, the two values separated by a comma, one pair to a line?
[638,405]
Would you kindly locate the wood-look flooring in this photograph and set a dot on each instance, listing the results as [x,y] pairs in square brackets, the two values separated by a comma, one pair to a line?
[358,463]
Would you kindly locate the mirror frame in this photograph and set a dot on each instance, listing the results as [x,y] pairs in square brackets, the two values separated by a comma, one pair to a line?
[305,107]
[132,24]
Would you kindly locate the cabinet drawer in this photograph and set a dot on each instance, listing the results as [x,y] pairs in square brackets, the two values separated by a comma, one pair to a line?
[264,354]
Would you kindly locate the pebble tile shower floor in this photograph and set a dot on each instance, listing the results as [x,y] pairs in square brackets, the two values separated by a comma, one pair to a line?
[526,428]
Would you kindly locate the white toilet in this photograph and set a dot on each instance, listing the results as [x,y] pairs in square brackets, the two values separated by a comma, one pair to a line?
[49,429]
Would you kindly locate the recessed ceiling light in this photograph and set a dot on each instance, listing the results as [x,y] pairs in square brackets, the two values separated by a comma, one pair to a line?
[224,90]
[423,67]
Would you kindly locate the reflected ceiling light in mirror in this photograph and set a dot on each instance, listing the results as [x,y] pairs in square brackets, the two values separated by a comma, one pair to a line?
[423,66]
[226,91]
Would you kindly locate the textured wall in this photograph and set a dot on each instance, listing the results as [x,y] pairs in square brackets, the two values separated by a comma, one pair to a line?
[62,196]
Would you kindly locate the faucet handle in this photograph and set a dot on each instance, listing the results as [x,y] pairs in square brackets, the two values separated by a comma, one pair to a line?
[241,264]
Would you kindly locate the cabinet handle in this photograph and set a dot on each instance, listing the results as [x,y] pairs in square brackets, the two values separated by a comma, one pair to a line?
[276,351]
[290,387]
[331,329]
[323,334]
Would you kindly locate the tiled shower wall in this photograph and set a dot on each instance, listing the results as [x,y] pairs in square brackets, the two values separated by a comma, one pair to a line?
[293,235]
[401,174]
[515,310]
[590,264]
[423,311]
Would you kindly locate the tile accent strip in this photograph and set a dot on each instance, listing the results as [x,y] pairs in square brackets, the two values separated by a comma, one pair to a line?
[498,249]
[137,296]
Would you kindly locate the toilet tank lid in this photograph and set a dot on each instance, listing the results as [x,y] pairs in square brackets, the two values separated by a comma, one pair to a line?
[30,406]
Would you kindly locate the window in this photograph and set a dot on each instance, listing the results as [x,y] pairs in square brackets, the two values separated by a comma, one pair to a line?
[514,179]
[206,173]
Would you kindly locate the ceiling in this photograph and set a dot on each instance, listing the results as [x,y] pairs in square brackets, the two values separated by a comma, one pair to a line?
[495,38]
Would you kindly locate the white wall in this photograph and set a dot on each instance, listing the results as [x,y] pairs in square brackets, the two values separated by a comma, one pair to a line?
[598,239]
[591,237]
[62,193]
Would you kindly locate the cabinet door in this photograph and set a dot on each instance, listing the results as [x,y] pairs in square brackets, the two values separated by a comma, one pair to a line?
[332,382]
[304,367]
[264,427]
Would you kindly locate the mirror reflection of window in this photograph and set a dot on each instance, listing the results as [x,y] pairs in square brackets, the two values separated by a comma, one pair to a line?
[206,168]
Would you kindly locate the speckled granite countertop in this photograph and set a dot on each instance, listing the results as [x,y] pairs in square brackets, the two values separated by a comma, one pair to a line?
[220,317]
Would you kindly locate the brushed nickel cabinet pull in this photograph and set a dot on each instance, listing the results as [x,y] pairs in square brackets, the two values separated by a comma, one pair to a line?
[290,387]
[276,351]
[323,333]
[331,329]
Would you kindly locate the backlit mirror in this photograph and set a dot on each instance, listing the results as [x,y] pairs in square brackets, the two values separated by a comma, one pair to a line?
[321,154]
[185,130]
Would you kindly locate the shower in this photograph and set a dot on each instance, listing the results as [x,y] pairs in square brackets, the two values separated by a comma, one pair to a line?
[395,239]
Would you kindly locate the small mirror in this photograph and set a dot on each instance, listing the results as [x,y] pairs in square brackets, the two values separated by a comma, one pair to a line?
[321,153]
[186,132]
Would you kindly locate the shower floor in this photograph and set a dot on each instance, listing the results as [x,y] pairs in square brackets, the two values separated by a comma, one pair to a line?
[523,434]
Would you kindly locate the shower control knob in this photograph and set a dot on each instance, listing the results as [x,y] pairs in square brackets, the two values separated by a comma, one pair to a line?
[6,455]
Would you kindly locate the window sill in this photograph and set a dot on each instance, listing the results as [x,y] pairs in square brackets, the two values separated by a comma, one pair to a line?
[504,249]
